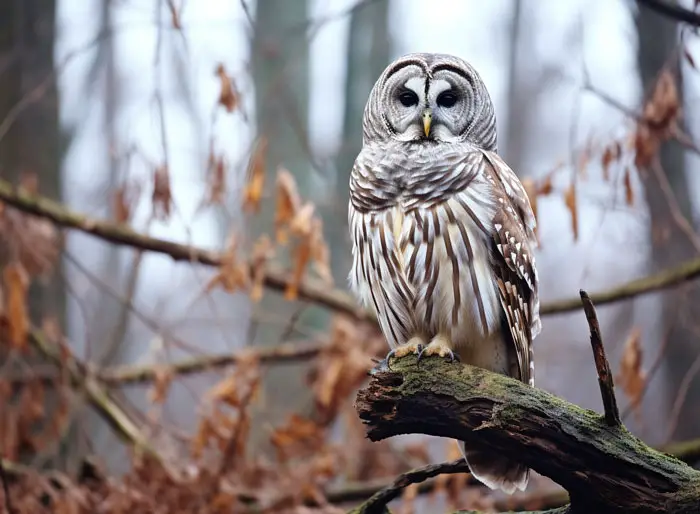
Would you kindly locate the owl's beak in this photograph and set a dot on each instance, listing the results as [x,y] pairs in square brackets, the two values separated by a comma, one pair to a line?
[427,120]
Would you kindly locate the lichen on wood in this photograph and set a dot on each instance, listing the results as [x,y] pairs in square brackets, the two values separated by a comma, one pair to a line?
[605,469]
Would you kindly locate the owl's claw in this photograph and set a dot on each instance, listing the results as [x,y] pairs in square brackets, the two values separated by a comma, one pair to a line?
[441,347]
[414,345]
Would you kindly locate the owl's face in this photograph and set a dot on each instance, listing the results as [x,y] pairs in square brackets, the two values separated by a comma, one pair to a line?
[428,99]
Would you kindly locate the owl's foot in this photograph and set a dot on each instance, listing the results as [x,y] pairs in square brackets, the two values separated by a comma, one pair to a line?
[414,345]
[441,346]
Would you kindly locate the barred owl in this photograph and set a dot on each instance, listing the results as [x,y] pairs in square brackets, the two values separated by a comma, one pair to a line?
[443,232]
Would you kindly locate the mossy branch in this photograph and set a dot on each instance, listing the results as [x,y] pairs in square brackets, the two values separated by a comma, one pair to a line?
[604,468]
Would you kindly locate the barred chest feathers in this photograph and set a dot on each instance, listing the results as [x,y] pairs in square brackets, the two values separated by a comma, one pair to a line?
[421,249]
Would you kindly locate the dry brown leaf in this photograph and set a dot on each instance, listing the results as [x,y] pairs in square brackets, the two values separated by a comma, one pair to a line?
[531,191]
[124,200]
[300,224]
[570,201]
[299,437]
[301,256]
[16,282]
[627,181]
[546,186]
[252,194]
[162,197]
[161,384]
[287,205]
[663,105]
[228,95]
[216,179]
[263,251]
[611,154]
[232,274]
[630,376]
[320,253]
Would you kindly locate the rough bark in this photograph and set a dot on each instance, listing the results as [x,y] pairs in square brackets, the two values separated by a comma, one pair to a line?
[605,469]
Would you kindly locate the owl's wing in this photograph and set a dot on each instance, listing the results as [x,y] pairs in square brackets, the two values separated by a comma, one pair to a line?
[514,261]
[378,273]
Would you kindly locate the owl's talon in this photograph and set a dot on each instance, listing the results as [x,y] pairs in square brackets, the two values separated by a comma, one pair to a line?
[414,345]
[441,347]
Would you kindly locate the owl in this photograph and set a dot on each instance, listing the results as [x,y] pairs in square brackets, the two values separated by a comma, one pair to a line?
[443,232]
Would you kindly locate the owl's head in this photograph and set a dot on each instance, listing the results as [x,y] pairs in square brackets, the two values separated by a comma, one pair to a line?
[428,98]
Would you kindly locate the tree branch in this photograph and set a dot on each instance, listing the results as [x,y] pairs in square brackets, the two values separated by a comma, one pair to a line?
[603,468]
[97,395]
[133,374]
[602,366]
[673,11]
[276,279]
[309,290]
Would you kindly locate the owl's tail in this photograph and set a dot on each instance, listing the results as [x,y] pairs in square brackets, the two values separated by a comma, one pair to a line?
[496,471]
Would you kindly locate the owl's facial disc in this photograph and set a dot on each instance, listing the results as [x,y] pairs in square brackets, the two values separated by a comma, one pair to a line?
[426,109]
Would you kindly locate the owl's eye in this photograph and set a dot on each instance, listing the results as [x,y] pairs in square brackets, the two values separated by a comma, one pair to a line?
[408,98]
[446,99]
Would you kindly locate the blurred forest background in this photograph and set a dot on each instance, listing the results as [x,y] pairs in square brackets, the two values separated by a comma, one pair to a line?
[178,321]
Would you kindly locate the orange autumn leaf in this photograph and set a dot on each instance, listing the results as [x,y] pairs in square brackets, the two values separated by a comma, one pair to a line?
[263,251]
[301,257]
[252,194]
[546,186]
[228,96]
[287,205]
[16,282]
[301,223]
[570,201]
[232,274]
[631,377]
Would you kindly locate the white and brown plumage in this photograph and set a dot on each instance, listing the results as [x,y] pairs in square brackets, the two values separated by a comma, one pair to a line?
[442,230]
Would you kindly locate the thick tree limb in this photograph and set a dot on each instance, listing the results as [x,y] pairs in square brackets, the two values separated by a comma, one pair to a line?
[672,10]
[309,290]
[604,469]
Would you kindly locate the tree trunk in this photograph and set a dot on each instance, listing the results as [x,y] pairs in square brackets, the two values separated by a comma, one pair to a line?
[280,57]
[657,40]
[33,143]
[368,53]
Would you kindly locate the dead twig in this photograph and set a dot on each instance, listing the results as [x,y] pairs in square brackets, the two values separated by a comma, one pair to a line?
[602,366]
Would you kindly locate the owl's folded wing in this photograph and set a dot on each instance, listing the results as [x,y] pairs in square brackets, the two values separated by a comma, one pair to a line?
[514,261]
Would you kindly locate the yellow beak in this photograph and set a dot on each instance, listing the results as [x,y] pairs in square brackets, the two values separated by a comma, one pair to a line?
[427,120]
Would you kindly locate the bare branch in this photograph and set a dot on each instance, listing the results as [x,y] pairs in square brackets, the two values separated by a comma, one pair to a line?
[97,395]
[133,374]
[602,366]
[673,11]
[309,290]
